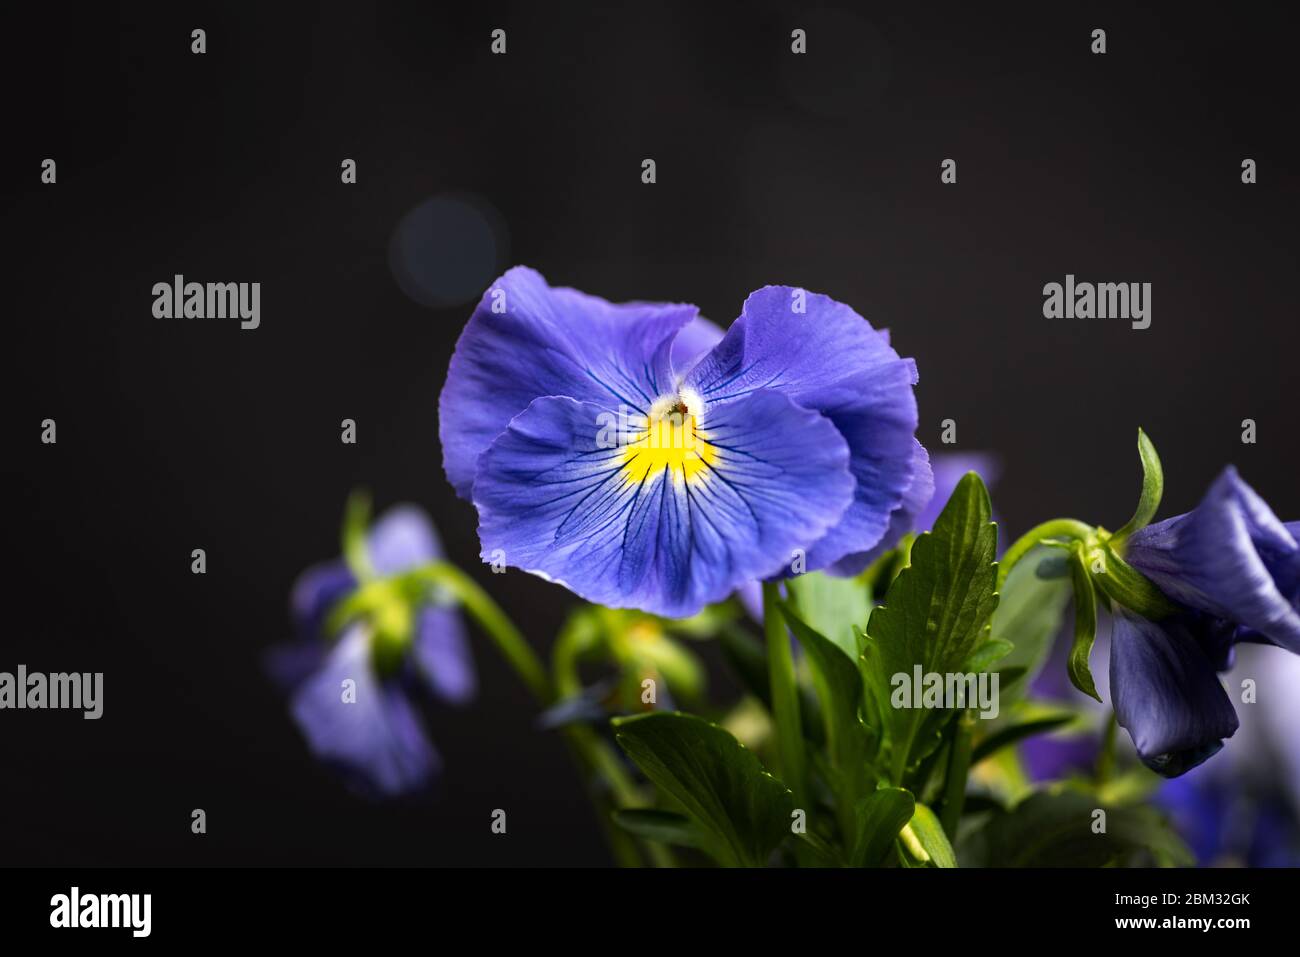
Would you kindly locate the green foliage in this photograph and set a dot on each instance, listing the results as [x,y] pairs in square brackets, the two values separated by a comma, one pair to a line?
[874,770]
[880,817]
[1029,614]
[833,607]
[936,616]
[1085,624]
[1153,489]
[928,844]
[741,810]
[1070,828]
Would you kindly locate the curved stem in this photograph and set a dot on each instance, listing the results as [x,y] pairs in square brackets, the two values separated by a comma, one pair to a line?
[591,753]
[954,797]
[494,622]
[785,694]
[1057,528]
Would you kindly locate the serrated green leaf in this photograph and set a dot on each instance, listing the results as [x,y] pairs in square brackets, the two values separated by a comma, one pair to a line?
[663,826]
[1085,625]
[927,833]
[832,607]
[743,811]
[880,817]
[935,616]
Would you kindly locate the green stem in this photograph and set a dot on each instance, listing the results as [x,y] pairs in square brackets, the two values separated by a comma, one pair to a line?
[591,753]
[508,639]
[954,798]
[785,695]
[1057,528]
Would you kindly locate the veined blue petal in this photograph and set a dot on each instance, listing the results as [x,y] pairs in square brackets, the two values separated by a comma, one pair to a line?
[377,740]
[694,342]
[527,340]
[1229,557]
[670,528]
[920,493]
[1166,693]
[826,357]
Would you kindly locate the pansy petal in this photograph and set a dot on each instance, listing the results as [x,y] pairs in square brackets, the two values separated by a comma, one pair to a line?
[949,469]
[442,654]
[527,340]
[315,592]
[826,357]
[902,520]
[664,530]
[693,343]
[402,538]
[1222,557]
[1166,694]
[376,740]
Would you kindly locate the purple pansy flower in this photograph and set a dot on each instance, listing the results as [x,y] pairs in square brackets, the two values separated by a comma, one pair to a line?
[643,458]
[356,712]
[1234,570]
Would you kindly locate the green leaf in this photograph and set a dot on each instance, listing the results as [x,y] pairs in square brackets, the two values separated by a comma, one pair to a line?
[1064,829]
[1018,732]
[742,810]
[1029,613]
[832,607]
[987,655]
[822,854]
[1153,489]
[839,689]
[927,834]
[880,816]
[663,826]
[935,615]
[1085,625]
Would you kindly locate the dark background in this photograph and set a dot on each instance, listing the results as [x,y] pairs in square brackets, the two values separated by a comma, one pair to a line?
[820,171]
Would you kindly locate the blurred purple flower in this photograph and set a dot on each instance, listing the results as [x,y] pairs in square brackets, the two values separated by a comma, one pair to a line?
[356,712]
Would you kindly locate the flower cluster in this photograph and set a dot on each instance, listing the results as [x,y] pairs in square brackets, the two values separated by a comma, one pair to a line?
[657,466]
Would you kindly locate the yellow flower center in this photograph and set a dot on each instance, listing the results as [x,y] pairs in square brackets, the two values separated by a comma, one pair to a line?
[671,441]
